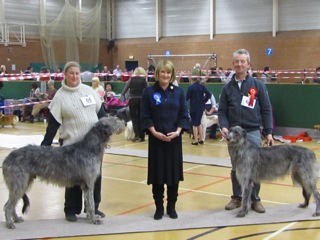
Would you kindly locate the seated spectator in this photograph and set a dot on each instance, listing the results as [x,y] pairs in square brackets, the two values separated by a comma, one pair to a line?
[105,71]
[317,77]
[109,93]
[197,73]
[265,77]
[117,72]
[47,96]
[34,96]
[125,75]
[3,70]
[58,76]
[184,77]
[44,74]
[213,76]
[28,71]
[221,74]
[98,88]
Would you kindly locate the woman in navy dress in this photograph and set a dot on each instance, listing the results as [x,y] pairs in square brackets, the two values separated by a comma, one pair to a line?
[164,116]
[198,94]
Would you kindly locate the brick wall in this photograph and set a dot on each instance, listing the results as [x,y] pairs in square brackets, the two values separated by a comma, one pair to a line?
[295,50]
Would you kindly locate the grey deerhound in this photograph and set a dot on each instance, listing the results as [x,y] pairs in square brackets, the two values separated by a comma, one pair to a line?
[66,166]
[255,164]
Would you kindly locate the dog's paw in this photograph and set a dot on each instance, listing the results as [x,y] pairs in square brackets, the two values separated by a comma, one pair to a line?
[240,214]
[19,220]
[316,214]
[97,221]
[10,225]
[303,205]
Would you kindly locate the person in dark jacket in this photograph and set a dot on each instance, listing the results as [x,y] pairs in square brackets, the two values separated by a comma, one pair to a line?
[198,94]
[164,115]
[135,85]
[244,101]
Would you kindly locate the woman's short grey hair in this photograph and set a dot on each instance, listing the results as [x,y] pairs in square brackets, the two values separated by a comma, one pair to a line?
[50,82]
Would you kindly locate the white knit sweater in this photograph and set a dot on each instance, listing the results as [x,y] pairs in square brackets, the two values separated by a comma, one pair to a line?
[75,118]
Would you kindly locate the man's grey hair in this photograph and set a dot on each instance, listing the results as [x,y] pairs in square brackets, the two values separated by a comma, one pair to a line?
[242,51]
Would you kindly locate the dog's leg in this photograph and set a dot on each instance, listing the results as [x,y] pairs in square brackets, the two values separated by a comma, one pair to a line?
[317,198]
[306,195]
[89,204]
[246,193]
[10,211]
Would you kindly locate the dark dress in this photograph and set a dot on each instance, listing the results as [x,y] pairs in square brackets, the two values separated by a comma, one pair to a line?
[165,160]
[198,94]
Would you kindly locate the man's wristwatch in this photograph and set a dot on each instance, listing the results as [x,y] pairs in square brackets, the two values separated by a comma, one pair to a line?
[178,133]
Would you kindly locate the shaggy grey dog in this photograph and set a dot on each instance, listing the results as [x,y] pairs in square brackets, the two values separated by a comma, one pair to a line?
[255,164]
[66,166]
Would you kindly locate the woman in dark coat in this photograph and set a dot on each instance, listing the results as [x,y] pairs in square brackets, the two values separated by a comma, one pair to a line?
[135,85]
[164,115]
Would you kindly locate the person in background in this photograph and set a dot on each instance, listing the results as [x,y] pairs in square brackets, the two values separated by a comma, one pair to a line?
[117,72]
[211,108]
[98,88]
[316,79]
[3,70]
[244,101]
[164,115]
[198,95]
[265,77]
[135,85]
[58,76]
[197,73]
[48,96]
[109,93]
[150,73]
[105,71]
[29,70]
[75,108]
[126,75]
[34,96]
[213,76]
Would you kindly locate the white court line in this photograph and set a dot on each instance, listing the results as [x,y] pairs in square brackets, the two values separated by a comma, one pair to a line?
[185,189]
[188,169]
[279,231]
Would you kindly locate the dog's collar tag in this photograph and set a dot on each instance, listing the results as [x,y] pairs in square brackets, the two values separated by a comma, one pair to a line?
[88,100]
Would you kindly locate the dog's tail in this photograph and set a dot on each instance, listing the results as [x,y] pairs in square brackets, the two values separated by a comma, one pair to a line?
[26,204]
[15,120]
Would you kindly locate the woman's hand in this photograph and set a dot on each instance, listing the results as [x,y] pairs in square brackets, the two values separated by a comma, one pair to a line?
[173,135]
[161,136]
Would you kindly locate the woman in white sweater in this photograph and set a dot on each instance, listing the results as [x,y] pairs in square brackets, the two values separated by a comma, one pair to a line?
[74,109]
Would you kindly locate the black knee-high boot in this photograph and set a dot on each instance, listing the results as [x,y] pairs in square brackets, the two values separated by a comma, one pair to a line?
[158,191]
[172,193]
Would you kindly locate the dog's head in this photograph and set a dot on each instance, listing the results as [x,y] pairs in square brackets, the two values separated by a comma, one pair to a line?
[236,135]
[112,125]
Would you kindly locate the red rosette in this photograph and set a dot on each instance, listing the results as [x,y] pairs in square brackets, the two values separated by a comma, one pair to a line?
[252,93]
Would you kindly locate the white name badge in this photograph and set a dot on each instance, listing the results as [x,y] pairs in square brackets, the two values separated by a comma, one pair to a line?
[245,102]
[88,100]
